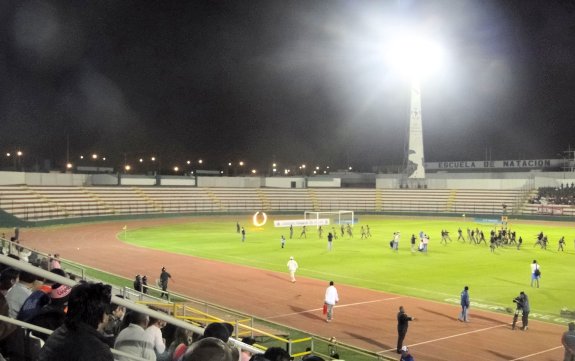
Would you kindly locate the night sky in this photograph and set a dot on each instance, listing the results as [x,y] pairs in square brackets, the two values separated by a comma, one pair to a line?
[286,81]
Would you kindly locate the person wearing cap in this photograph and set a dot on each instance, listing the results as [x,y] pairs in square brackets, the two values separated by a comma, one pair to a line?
[78,338]
[331,298]
[568,341]
[405,355]
[52,315]
[402,324]
[164,277]
[292,268]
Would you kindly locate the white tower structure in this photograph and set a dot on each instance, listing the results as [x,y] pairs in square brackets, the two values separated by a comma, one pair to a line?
[415,158]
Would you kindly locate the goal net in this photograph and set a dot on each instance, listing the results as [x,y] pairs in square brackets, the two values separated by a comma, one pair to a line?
[334,217]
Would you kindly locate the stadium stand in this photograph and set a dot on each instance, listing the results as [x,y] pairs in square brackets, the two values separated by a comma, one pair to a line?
[33,203]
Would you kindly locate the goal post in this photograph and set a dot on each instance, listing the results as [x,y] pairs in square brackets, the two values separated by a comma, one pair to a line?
[335,217]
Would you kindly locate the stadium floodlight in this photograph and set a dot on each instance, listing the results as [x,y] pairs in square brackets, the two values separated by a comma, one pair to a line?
[416,57]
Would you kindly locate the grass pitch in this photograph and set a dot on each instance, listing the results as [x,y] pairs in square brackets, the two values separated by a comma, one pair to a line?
[494,279]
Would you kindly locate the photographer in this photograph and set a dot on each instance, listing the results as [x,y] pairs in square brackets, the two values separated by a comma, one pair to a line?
[522,302]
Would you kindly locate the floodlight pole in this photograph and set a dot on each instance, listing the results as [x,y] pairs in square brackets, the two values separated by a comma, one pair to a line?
[415,169]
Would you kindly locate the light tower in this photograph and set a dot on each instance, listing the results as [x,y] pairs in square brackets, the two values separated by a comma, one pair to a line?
[416,58]
[415,157]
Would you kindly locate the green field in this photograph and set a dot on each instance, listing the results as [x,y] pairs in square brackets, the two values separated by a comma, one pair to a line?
[494,278]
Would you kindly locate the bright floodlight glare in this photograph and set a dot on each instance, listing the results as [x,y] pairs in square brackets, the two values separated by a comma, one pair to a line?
[415,56]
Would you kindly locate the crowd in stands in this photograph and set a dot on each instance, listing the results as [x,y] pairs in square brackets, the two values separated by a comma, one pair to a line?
[562,195]
[86,325]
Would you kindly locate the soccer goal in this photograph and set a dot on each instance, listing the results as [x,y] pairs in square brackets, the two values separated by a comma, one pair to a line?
[335,217]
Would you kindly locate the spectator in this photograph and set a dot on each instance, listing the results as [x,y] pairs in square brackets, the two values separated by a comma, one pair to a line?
[154,330]
[277,354]
[244,354]
[55,262]
[405,355]
[21,290]
[182,339]
[134,339]
[111,328]
[52,315]
[78,339]
[221,330]
[8,278]
[211,349]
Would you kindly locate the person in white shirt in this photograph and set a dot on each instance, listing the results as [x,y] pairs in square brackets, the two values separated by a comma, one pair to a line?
[154,330]
[535,273]
[331,298]
[292,267]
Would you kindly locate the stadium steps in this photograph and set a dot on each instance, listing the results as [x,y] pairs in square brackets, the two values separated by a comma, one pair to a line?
[154,204]
[266,205]
[378,206]
[49,201]
[217,202]
[451,200]
[314,201]
[99,201]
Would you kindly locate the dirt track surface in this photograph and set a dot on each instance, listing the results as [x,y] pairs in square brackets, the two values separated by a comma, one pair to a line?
[364,318]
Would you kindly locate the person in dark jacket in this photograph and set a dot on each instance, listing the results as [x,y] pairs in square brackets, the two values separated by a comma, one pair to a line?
[78,339]
[402,324]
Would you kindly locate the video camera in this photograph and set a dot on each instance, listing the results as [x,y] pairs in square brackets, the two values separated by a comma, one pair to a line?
[519,301]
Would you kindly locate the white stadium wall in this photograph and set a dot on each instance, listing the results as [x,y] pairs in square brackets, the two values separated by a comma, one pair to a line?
[284,182]
[137,181]
[324,183]
[229,182]
[508,180]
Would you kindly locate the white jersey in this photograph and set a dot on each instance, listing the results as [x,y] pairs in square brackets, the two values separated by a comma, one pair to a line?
[292,265]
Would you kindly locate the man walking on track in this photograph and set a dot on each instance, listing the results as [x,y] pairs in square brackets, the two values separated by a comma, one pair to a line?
[402,324]
[292,267]
[464,304]
[164,277]
[331,298]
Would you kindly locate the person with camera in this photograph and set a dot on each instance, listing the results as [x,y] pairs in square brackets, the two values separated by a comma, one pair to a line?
[522,303]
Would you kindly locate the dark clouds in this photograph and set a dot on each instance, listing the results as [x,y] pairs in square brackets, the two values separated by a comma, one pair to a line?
[285,81]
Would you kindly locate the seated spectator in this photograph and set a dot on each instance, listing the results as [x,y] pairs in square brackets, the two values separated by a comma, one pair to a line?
[221,330]
[277,354]
[211,349]
[111,328]
[134,339]
[78,339]
[8,278]
[55,262]
[154,330]
[182,339]
[259,357]
[246,355]
[52,315]
[6,329]
[20,292]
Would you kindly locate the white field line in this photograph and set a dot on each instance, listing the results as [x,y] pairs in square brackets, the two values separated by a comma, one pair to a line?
[448,337]
[537,353]
[339,306]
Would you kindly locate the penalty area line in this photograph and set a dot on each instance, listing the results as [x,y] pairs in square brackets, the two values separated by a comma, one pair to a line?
[339,306]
